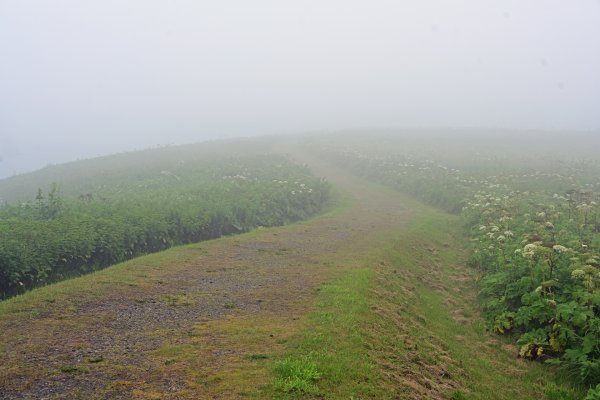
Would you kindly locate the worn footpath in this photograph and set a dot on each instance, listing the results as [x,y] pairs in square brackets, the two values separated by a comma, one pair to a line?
[187,323]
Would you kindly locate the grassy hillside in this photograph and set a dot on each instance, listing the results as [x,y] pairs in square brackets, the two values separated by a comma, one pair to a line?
[101,211]
[104,175]
[404,324]
[534,225]
[371,300]
[383,297]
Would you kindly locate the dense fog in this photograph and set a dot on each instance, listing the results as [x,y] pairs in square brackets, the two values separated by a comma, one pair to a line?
[79,79]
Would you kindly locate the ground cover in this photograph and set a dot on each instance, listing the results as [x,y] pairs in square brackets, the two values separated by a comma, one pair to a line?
[371,299]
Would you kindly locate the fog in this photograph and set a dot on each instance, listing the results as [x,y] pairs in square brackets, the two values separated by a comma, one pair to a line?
[84,78]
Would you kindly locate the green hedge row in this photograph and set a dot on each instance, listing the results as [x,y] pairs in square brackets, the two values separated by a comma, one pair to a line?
[55,237]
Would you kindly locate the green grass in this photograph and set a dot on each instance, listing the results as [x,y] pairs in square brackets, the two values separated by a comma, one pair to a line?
[297,375]
[448,333]
[385,329]
[406,325]
[175,300]
[73,370]
[144,270]
[329,359]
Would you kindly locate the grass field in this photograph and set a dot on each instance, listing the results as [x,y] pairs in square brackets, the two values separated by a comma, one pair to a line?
[405,325]
[371,299]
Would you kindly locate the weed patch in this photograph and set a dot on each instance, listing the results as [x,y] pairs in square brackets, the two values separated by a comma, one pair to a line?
[73,370]
[256,357]
[297,375]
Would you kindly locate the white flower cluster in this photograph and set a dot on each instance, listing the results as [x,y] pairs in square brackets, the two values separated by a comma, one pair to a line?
[578,274]
[530,249]
[560,249]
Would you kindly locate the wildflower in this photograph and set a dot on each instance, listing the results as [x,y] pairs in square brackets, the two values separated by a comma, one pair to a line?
[508,234]
[559,248]
[589,269]
[529,250]
[549,225]
[501,238]
[577,274]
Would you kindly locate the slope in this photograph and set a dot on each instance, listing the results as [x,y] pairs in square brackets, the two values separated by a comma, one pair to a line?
[373,290]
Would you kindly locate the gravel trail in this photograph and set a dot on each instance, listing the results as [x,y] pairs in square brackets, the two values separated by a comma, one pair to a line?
[172,330]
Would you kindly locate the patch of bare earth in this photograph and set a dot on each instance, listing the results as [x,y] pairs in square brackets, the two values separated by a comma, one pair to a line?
[196,327]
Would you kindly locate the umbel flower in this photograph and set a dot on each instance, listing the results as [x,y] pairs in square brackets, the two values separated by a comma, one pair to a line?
[578,273]
[529,250]
[560,249]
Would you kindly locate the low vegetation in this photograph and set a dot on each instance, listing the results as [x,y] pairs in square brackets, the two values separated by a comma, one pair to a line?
[535,232]
[397,312]
[146,208]
[403,324]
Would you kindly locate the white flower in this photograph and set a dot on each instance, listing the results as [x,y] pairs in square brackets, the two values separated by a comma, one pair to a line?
[559,248]
[578,274]
[529,250]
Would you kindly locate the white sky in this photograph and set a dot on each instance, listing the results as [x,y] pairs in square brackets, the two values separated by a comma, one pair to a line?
[87,77]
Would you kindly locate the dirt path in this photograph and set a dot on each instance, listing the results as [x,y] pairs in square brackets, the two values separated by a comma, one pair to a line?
[190,322]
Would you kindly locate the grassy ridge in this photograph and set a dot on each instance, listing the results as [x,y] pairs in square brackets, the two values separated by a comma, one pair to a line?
[535,235]
[405,325]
